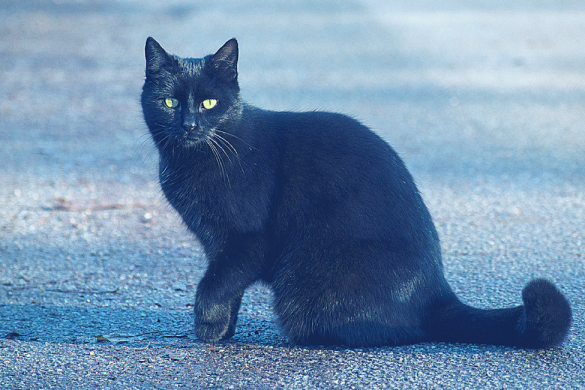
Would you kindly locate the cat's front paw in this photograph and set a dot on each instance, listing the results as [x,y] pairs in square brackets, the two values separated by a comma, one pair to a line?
[211,332]
[213,323]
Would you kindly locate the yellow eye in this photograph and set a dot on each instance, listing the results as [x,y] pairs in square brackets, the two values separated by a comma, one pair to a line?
[171,102]
[208,104]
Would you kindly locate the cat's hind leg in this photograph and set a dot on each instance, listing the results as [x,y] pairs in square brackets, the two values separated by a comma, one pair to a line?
[332,300]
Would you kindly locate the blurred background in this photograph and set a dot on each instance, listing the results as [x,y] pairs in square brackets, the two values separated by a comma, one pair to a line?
[424,75]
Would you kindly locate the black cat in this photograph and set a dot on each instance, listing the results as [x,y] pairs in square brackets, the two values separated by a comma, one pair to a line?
[320,208]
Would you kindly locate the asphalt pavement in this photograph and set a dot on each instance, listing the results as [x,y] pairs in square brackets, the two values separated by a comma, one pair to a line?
[485,101]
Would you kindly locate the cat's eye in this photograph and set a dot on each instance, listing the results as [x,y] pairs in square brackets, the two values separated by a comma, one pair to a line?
[171,102]
[208,104]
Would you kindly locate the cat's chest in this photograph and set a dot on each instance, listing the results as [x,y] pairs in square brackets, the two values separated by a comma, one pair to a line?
[208,201]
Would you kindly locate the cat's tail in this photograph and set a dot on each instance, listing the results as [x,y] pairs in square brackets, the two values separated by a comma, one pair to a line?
[542,322]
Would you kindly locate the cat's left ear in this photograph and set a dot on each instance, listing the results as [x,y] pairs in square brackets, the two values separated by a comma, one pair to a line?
[225,61]
[156,57]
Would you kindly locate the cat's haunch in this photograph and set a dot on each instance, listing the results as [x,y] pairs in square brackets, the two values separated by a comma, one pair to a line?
[321,209]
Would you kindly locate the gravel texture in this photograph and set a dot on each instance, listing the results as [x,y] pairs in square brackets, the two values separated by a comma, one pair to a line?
[484,101]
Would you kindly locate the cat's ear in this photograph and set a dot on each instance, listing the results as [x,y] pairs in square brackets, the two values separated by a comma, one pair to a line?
[225,61]
[156,57]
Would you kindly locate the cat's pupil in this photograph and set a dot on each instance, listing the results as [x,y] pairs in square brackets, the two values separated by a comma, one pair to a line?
[208,104]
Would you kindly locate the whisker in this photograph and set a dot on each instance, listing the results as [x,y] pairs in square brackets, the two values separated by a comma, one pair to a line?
[144,149]
[236,137]
[221,148]
[219,160]
[232,149]
[227,143]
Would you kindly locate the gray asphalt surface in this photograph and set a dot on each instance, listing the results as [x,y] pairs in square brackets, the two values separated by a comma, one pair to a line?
[485,101]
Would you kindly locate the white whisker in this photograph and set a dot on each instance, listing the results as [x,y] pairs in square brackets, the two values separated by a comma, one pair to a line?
[218,145]
[227,143]
[219,160]
[236,137]
[231,148]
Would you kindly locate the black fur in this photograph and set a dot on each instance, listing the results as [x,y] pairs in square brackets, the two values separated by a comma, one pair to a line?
[320,208]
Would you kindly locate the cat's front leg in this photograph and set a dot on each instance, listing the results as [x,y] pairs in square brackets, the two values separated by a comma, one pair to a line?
[218,299]
[232,268]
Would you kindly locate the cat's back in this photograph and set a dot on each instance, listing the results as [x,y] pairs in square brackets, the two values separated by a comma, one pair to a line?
[324,129]
[322,136]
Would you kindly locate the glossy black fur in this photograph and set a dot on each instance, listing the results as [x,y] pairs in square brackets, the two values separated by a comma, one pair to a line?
[320,208]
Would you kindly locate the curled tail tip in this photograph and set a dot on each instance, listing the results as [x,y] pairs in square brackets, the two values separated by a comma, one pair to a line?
[547,316]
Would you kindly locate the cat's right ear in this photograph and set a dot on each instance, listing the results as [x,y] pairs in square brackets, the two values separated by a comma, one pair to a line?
[225,61]
[156,57]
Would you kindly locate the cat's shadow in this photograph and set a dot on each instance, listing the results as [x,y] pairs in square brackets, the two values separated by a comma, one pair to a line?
[127,326]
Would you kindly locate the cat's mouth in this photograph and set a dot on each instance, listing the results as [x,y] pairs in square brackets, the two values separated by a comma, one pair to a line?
[191,138]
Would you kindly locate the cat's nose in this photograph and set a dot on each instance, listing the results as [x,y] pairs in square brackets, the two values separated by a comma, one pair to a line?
[189,122]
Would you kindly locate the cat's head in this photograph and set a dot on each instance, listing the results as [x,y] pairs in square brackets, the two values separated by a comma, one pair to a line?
[186,101]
